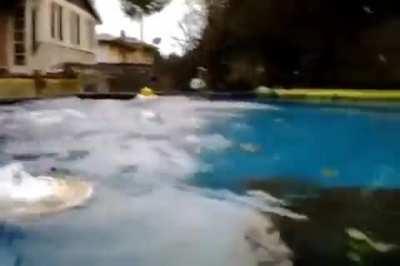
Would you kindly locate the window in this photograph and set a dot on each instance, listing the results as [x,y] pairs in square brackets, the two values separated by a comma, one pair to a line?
[34,30]
[57,29]
[60,23]
[19,36]
[75,29]
[53,20]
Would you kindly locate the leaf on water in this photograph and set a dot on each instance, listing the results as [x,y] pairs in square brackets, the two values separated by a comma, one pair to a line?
[330,173]
[376,245]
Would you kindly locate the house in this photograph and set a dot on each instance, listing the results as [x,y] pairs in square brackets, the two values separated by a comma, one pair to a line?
[41,34]
[124,50]
[124,65]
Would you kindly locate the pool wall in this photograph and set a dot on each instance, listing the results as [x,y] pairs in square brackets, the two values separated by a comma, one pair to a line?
[14,89]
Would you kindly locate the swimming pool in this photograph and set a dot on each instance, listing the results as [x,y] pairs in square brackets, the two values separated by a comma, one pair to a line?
[325,145]
[183,181]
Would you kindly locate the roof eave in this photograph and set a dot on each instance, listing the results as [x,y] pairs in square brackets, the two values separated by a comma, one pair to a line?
[94,12]
[132,46]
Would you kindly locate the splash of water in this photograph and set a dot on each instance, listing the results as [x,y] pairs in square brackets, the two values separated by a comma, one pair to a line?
[140,155]
[22,194]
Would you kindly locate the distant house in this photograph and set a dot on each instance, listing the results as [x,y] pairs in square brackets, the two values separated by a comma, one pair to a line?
[124,50]
[123,65]
[41,34]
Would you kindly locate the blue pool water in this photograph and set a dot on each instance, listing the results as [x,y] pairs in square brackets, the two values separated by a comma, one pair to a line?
[328,146]
[181,181]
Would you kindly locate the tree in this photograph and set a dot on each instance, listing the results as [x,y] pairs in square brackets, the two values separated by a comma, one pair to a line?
[135,8]
[191,26]
[306,42]
[293,42]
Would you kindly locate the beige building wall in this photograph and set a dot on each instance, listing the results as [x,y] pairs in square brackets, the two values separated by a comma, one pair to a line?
[50,55]
[108,54]
[141,56]
[112,54]
[51,52]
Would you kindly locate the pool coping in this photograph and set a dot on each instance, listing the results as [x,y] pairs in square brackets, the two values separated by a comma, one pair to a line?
[306,95]
[332,94]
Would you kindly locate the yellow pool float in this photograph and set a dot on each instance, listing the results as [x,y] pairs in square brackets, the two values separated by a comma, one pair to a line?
[147,93]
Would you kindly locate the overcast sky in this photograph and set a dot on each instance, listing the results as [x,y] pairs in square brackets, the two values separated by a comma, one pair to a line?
[163,24]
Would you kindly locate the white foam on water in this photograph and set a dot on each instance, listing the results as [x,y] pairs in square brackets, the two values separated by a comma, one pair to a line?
[264,196]
[214,142]
[139,154]
[25,196]
[48,117]
[165,226]
[19,186]
[249,147]
[257,200]
[117,134]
